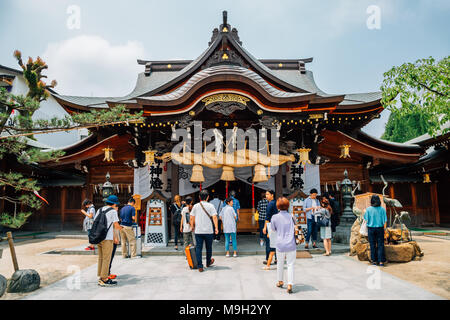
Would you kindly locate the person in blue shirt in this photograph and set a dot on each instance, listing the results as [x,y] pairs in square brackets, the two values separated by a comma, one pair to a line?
[236,204]
[376,218]
[310,205]
[127,218]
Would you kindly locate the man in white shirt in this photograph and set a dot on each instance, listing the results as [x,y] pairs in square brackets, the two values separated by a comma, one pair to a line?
[105,247]
[203,216]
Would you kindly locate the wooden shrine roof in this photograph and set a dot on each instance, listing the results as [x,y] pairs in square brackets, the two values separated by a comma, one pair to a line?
[166,81]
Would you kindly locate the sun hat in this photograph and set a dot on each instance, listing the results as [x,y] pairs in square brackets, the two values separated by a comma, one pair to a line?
[112,199]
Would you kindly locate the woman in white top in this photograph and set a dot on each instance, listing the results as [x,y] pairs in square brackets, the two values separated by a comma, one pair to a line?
[185,227]
[228,217]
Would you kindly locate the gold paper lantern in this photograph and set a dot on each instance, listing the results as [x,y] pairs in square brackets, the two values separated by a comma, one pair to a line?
[227,174]
[149,157]
[345,151]
[260,173]
[197,173]
[108,154]
[426,178]
[304,156]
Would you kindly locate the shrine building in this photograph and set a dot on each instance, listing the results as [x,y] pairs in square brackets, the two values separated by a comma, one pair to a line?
[307,138]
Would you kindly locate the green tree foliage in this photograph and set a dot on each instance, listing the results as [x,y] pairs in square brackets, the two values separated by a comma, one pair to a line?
[418,96]
[14,144]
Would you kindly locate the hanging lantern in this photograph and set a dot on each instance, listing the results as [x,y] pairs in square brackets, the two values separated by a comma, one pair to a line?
[304,156]
[149,157]
[108,154]
[227,174]
[260,173]
[345,151]
[426,178]
[197,173]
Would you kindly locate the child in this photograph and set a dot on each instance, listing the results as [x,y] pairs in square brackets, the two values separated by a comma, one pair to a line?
[89,219]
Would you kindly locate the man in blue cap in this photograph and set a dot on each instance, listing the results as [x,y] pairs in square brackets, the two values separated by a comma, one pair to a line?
[105,248]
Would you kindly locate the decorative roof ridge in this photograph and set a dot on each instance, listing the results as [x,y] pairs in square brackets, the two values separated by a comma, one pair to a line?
[219,69]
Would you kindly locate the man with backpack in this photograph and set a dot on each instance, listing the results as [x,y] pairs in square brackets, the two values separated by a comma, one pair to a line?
[102,234]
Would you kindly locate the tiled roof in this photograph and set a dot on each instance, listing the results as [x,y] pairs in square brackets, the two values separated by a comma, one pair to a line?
[226,69]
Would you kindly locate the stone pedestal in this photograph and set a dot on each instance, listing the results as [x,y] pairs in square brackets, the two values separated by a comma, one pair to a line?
[344,229]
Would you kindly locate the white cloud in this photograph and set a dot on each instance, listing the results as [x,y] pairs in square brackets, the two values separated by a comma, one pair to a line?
[90,65]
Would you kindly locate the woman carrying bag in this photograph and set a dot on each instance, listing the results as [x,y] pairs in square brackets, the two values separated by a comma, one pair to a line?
[283,224]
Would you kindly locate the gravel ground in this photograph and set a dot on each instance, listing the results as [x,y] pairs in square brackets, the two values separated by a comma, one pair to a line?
[432,272]
[51,268]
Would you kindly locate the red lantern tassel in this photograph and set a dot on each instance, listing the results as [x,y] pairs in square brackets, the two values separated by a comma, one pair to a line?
[253,195]
[226,189]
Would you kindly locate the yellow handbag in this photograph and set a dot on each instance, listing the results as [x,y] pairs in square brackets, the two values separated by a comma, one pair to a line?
[256,215]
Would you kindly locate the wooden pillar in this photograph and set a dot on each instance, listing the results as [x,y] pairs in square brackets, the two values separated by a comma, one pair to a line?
[88,188]
[414,198]
[279,183]
[435,203]
[174,180]
[63,207]
[391,191]
[43,210]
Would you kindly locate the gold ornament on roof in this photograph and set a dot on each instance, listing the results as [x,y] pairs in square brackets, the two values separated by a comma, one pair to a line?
[345,151]
[108,154]
[304,156]
[225,29]
[225,97]
[426,178]
[224,56]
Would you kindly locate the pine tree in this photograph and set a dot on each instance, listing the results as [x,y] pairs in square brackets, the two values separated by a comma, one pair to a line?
[19,188]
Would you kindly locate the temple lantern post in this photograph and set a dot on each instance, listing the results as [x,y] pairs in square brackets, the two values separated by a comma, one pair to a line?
[343,230]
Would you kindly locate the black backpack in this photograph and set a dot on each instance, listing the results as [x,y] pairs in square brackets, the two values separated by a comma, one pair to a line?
[177,217]
[99,228]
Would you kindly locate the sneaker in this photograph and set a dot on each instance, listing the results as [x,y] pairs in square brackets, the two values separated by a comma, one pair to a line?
[227,255]
[112,276]
[88,248]
[200,269]
[136,257]
[235,255]
[107,283]
[261,243]
[210,263]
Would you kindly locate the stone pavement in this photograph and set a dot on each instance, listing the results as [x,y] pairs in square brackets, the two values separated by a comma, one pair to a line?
[169,277]
[247,245]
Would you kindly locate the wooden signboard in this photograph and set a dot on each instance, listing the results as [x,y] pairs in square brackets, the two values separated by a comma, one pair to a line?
[154,216]
[156,223]
[296,209]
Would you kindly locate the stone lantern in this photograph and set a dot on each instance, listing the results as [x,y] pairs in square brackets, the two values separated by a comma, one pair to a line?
[343,230]
[107,188]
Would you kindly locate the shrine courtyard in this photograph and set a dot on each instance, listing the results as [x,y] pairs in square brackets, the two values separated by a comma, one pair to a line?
[317,277]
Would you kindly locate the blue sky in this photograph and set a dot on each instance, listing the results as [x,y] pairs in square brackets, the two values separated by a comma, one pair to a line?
[99,59]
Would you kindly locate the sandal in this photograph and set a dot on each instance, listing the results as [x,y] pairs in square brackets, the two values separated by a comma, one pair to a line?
[266,268]
[289,289]
[280,284]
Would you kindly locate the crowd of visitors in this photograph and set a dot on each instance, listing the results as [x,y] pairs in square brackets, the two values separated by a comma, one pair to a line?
[202,223]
